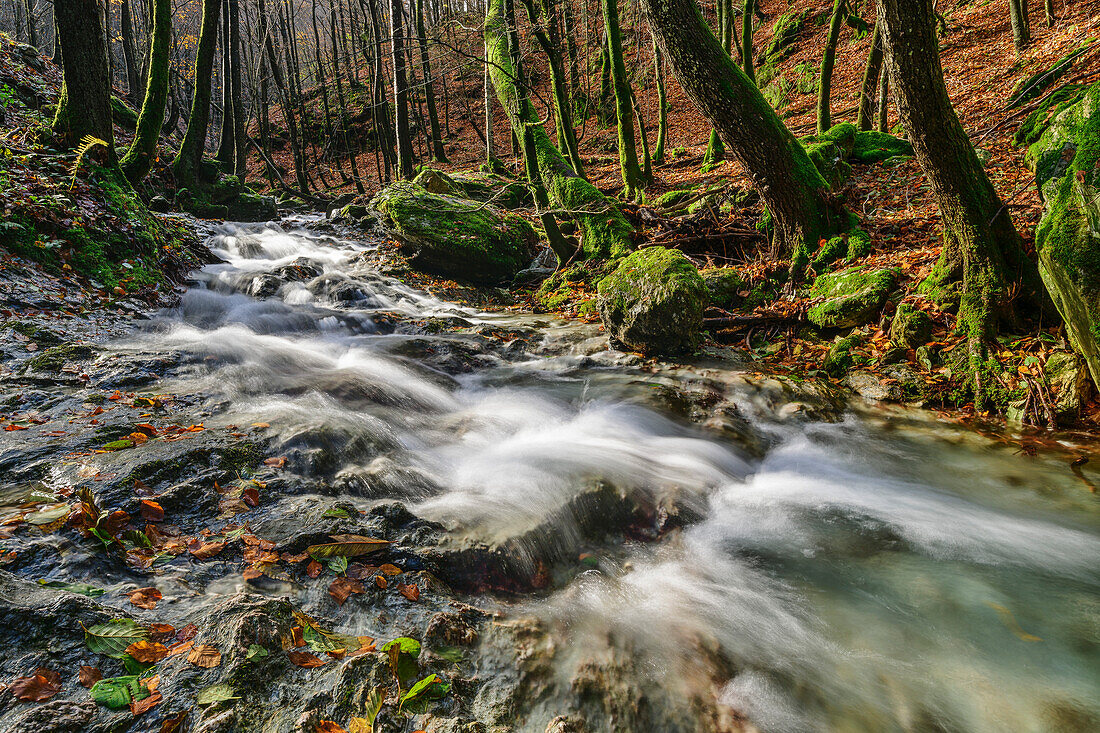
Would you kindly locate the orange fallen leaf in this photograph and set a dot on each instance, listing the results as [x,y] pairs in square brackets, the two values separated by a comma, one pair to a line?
[381,582]
[207,550]
[147,652]
[297,636]
[137,438]
[145,597]
[342,588]
[327,726]
[412,592]
[205,656]
[42,685]
[144,705]
[12,427]
[151,511]
[183,646]
[390,569]
[275,462]
[313,569]
[305,659]
[251,496]
[89,676]
[172,724]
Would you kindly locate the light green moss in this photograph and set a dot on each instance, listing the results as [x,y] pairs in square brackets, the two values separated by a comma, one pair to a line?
[723,285]
[872,147]
[851,297]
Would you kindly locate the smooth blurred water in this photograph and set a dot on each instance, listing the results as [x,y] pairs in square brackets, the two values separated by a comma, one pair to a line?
[888,572]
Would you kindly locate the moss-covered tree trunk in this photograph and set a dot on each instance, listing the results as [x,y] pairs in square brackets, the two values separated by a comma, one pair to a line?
[605,231]
[633,181]
[1021,30]
[789,184]
[400,92]
[746,39]
[186,164]
[138,160]
[85,105]
[828,57]
[543,28]
[438,154]
[605,105]
[865,118]
[982,253]
[662,105]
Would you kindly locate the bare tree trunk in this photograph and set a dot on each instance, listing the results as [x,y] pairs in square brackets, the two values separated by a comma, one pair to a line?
[884,101]
[32,26]
[1021,32]
[400,92]
[871,72]
[438,154]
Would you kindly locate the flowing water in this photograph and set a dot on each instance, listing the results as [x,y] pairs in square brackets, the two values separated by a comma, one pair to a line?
[883,571]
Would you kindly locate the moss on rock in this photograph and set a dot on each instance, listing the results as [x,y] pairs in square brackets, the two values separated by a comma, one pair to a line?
[871,146]
[723,285]
[455,237]
[653,302]
[911,327]
[1066,161]
[850,297]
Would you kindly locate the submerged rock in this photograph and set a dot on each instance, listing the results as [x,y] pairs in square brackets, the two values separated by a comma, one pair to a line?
[1066,161]
[851,297]
[455,237]
[653,302]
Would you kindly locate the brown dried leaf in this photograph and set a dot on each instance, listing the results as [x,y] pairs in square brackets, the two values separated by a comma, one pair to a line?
[342,588]
[147,652]
[89,676]
[305,659]
[205,656]
[145,597]
[42,685]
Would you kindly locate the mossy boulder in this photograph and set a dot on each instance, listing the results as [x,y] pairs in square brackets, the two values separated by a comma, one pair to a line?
[455,237]
[839,360]
[844,135]
[653,302]
[723,286]
[1066,161]
[434,181]
[828,158]
[480,186]
[850,297]
[871,146]
[1068,379]
[911,327]
[252,207]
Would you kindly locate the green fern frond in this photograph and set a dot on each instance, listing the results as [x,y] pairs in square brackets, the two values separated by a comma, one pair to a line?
[87,143]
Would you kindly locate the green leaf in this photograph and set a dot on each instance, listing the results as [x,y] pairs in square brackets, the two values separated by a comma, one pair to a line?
[82,588]
[403,652]
[117,692]
[336,514]
[255,651]
[133,666]
[423,693]
[136,538]
[320,640]
[119,445]
[337,564]
[346,545]
[113,637]
[215,694]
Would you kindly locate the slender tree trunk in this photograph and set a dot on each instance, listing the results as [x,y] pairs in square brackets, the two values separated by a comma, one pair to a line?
[871,72]
[1048,9]
[85,105]
[438,154]
[884,101]
[643,138]
[490,154]
[605,231]
[605,103]
[981,248]
[240,131]
[746,39]
[789,184]
[32,26]
[129,55]
[662,105]
[633,181]
[227,146]
[1021,33]
[400,92]
[825,84]
[143,151]
[191,149]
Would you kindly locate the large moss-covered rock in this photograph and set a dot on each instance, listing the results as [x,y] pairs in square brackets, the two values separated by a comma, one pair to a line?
[478,186]
[724,286]
[871,147]
[252,207]
[1068,379]
[455,237]
[911,327]
[1066,161]
[653,302]
[850,297]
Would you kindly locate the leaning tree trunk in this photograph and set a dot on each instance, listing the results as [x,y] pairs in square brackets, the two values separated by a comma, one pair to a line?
[633,180]
[186,164]
[981,249]
[138,160]
[789,184]
[865,118]
[400,92]
[605,231]
[85,105]
[825,85]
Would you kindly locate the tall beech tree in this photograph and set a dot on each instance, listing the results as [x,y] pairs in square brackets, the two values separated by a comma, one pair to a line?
[143,150]
[438,154]
[85,105]
[400,92]
[633,180]
[186,164]
[788,183]
[983,260]
[605,231]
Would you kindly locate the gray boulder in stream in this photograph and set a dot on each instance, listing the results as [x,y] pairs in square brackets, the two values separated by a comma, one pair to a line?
[653,302]
[456,237]
[1066,160]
